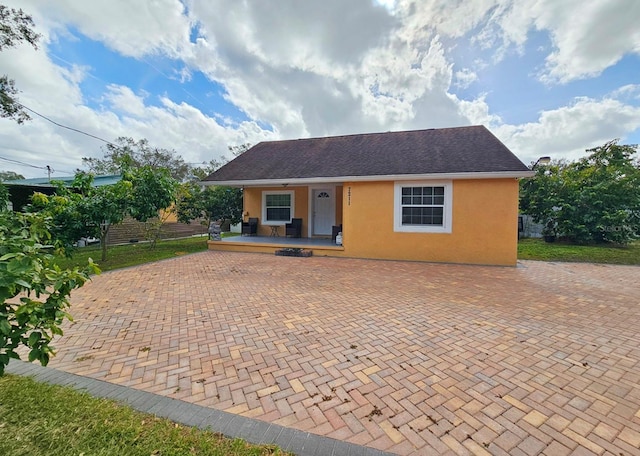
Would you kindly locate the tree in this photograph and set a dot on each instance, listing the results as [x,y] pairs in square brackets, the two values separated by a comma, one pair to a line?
[67,225]
[9,175]
[100,208]
[83,210]
[594,199]
[126,153]
[152,191]
[210,204]
[15,27]
[34,291]
[4,197]
[199,173]
[239,149]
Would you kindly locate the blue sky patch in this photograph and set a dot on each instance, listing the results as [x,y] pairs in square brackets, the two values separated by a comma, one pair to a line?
[151,74]
[513,86]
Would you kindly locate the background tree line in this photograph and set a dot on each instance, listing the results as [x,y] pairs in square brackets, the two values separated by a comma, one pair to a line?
[595,199]
[153,184]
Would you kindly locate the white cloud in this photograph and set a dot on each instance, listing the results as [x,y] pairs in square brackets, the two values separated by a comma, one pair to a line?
[477,111]
[56,93]
[297,68]
[389,4]
[451,18]
[123,99]
[587,37]
[567,131]
[464,78]
[596,38]
[131,28]
[182,75]
[319,68]
[628,91]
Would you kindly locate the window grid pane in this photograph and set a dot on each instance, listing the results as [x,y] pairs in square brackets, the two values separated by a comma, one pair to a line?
[278,200]
[278,214]
[278,207]
[423,206]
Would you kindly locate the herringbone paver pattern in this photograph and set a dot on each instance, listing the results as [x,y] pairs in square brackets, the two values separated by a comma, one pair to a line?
[411,358]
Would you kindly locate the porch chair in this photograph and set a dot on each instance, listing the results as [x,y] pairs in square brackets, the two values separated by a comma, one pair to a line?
[250,227]
[294,228]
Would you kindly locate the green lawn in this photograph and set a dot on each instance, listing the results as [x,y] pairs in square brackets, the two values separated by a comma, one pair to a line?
[38,419]
[537,249]
[122,256]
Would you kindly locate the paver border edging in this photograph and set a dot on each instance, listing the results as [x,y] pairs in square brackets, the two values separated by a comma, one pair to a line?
[233,426]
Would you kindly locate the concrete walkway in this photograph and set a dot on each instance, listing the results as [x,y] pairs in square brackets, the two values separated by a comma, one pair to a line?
[408,358]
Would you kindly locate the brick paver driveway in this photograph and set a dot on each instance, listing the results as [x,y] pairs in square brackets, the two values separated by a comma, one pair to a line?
[412,358]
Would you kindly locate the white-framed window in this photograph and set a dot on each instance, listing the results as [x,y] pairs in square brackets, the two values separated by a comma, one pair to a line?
[277,207]
[423,207]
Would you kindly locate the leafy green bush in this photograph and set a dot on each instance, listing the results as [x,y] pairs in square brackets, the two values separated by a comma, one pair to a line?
[592,200]
[34,291]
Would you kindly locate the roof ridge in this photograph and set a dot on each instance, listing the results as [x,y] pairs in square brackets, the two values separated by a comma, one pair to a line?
[348,135]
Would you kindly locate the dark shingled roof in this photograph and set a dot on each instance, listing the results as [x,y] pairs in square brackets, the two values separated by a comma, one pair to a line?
[448,150]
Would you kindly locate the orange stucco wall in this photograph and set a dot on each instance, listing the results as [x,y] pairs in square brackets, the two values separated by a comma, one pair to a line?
[484,224]
[168,215]
[339,202]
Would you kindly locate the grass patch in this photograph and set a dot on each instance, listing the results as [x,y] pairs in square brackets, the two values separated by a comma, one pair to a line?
[38,419]
[537,249]
[122,256]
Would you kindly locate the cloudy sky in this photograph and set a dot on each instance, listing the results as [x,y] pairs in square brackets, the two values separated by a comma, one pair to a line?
[550,77]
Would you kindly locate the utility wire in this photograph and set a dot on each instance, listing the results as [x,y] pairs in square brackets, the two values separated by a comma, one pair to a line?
[47,168]
[23,163]
[64,126]
[83,132]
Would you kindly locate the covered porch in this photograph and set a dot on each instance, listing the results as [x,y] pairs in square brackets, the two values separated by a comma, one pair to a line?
[316,209]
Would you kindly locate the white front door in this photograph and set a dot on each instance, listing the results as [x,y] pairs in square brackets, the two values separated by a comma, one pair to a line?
[323,211]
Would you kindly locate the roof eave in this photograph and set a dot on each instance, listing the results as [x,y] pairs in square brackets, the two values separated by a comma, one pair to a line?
[372,178]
